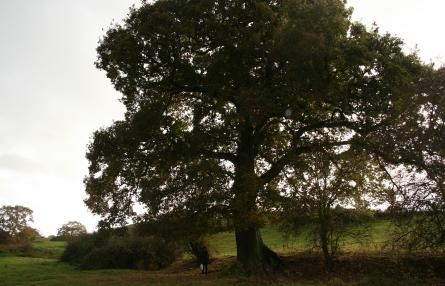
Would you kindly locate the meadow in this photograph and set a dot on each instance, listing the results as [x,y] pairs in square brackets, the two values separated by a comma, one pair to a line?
[223,244]
[303,267]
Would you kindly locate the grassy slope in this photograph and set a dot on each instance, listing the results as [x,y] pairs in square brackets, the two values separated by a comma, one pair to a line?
[223,244]
[44,248]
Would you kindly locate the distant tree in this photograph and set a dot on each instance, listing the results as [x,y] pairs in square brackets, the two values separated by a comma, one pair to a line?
[222,97]
[71,230]
[27,234]
[14,222]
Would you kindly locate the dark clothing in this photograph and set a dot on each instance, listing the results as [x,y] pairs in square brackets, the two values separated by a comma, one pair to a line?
[204,268]
[204,260]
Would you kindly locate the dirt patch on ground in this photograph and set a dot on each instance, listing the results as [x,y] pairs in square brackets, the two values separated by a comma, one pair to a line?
[189,266]
[310,267]
[351,267]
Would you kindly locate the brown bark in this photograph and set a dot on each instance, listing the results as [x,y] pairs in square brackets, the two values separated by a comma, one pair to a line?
[252,253]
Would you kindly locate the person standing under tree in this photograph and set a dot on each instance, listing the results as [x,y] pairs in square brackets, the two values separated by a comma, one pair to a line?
[204,260]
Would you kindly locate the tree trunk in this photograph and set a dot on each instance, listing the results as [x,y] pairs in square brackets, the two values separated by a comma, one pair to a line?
[252,253]
[328,259]
[325,241]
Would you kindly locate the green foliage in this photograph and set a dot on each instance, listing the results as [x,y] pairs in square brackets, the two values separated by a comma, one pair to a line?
[77,249]
[181,226]
[70,230]
[341,231]
[14,226]
[416,167]
[420,231]
[315,195]
[130,252]
[225,99]
[24,248]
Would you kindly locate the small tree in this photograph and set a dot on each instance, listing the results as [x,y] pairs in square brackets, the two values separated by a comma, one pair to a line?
[315,197]
[71,230]
[14,222]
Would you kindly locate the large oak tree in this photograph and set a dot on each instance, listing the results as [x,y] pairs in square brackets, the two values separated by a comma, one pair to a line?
[223,96]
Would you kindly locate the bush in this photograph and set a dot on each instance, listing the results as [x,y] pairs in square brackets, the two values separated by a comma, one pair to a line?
[24,249]
[109,256]
[129,252]
[4,237]
[77,249]
[26,235]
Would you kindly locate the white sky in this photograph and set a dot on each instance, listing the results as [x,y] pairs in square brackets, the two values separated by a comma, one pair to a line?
[52,98]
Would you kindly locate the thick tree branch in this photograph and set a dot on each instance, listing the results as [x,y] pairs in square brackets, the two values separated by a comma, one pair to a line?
[323,124]
[292,156]
[277,167]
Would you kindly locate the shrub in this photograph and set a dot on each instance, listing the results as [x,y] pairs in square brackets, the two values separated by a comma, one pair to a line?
[80,247]
[130,252]
[24,249]
[4,237]
[109,256]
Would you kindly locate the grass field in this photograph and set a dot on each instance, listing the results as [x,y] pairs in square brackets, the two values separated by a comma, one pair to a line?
[223,244]
[43,268]
[25,271]
[44,248]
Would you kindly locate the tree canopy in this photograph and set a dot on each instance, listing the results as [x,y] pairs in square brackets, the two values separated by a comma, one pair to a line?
[225,98]
[14,224]
[71,230]
[414,157]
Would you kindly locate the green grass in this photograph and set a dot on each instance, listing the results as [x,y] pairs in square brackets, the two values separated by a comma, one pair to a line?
[45,248]
[381,230]
[26,271]
[44,269]
[223,244]
[22,270]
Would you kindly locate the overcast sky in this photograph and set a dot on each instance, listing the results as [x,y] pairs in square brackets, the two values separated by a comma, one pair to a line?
[52,98]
